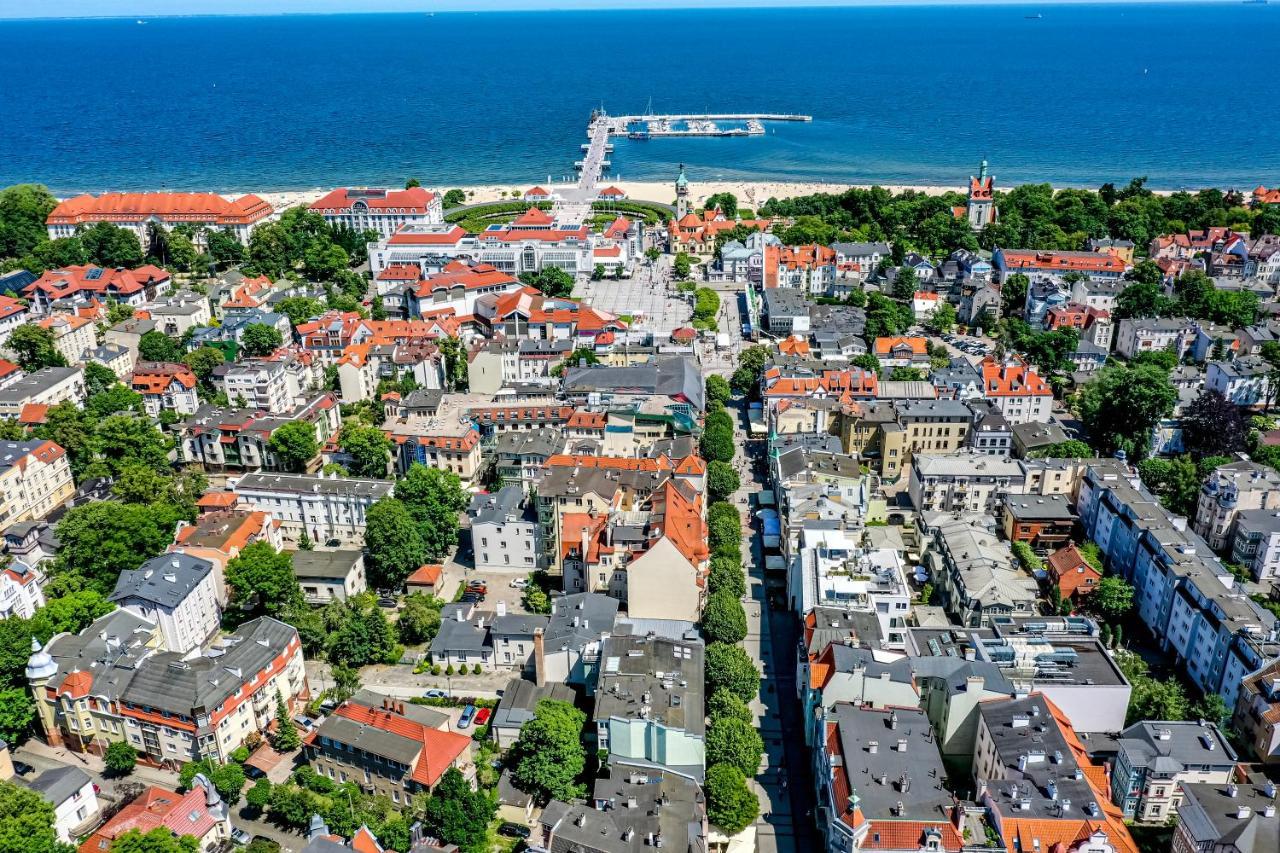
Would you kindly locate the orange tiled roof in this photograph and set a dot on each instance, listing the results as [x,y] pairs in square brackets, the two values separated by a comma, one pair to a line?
[918,346]
[1012,380]
[412,200]
[155,377]
[429,575]
[1064,261]
[174,207]
[439,748]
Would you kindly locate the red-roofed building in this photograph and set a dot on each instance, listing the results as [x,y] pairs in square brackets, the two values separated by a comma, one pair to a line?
[394,748]
[12,315]
[456,288]
[1096,265]
[538,194]
[425,579]
[84,283]
[1184,247]
[847,385]
[980,209]
[810,268]
[136,211]
[1017,390]
[611,193]
[165,385]
[35,479]
[696,232]
[901,352]
[200,813]
[526,313]
[1261,195]
[1072,574]
[380,210]
[9,373]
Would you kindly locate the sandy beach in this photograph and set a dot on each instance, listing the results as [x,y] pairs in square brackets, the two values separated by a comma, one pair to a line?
[750,194]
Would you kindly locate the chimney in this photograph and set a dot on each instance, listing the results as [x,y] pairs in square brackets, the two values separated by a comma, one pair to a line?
[539,657]
[502,608]
[958,813]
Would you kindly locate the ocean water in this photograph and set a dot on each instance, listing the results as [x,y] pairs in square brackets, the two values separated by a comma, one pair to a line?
[1184,94]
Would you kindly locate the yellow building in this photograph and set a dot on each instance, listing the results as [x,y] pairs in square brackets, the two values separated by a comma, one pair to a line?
[35,478]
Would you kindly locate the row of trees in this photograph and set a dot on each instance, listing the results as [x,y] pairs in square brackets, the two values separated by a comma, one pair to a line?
[418,525]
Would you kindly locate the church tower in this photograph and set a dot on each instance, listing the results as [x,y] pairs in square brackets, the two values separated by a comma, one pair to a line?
[682,194]
[981,207]
[41,668]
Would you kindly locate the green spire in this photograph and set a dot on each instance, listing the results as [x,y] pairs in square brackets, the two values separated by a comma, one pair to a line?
[681,180]
[982,171]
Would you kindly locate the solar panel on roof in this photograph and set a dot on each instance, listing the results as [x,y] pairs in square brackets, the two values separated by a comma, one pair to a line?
[94,274]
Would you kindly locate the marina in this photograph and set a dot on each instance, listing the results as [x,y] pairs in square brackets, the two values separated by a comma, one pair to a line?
[652,126]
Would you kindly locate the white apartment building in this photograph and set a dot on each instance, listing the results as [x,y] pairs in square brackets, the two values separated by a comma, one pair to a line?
[1231,489]
[12,315]
[326,507]
[47,386]
[179,593]
[1145,334]
[512,250]
[261,385]
[966,481]
[506,535]
[1244,381]
[21,591]
[1256,543]
[385,211]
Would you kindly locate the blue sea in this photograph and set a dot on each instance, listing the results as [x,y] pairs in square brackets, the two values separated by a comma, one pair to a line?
[1184,94]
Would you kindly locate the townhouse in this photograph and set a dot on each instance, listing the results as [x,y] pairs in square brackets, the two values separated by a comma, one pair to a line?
[199,813]
[179,593]
[43,388]
[1230,490]
[324,507]
[227,438]
[505,533]
[1017,390]
[1244,381]
[165,386]
[810,268]
[72,335]
[1146,334]
[1230,818]
[81,284]
[13,313]
[1156,758]
[35,479]
[963,481]
[974,571]
[391,748]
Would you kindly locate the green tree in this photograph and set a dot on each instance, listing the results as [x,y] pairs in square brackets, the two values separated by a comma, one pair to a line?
[717,444]
[1122,404]
[120,758]
[26,822]
[1113,597]
[455,198]
[1212,426]
[718,389]
[1142,300]
[731,805]
[1013,295]
[111,246]
[905,283]
[259,339]
[24,208]
[224,247]
[726,705]
[722,480]
[943,319]
[33,348]
[434,498]
[71,612]
[101,539]
[736,743]
[300,309]
[548,757]
[723,619]
[202,361]
[369,449]
[682,266]
[158,840]
[906,374]
[1176,482]
[294,445]
[731,668]
[157,346]
[726,202]
[16,715]
[115,400]
[552,281]
[346,681]
[98,378]
[726,575]
[393,543]
[458,815]
[419,619]
[263,578]
[1070,449]
[123,440]
[259,796]
[287,738]
[358,633]
[1212,708]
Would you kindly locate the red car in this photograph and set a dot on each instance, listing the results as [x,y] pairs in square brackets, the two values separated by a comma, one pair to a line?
[482,717]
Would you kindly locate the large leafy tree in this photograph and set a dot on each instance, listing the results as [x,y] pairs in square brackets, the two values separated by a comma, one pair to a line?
[723,618]
[101,539]
[1013,295]
[358,633]
[1213,426]
[259,339]
[262,577]
[458,815]
[722,480]
[294,445]
[419,619]
[23,211]
[393,543]
[32,345]
[369,449]
[1113,597]
[548,757]
[434,498]
[16,715]
[730,803]
[736,742]
[202,361]
[726,705]
[157,346]
[731,668]
[26,822]
[123,440]
[718,389]
[159,840]
[111,246]
[1122,404]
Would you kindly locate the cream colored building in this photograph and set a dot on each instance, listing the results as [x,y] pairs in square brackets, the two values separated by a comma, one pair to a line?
[35,478]
[662,584]
[47,386]
[72,335]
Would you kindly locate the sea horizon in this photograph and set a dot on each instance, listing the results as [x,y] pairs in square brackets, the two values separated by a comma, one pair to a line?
[900,95]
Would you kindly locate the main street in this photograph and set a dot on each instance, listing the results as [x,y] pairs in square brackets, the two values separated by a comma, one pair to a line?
[785,785]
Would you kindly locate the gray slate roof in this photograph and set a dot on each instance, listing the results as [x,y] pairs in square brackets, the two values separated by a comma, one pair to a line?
[676,376]
[59,784]
[165,580]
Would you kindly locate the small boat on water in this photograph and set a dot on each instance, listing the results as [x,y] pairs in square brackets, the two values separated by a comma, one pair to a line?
[1037,16]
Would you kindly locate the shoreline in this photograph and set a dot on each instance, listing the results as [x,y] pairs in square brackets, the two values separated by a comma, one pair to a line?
[750,194]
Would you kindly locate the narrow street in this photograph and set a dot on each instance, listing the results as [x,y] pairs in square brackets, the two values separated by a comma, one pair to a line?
[784,786]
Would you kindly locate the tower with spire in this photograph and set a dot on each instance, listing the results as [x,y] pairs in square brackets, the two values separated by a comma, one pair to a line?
[981,208]
[41,668]
[682,194]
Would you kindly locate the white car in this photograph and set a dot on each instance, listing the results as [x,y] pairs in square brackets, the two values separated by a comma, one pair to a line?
[519,583]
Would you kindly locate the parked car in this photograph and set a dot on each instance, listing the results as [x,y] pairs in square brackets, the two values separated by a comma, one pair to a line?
[468,713]
[22,768]
[519,583]
[514,830]
[239,836]
[482,717]
[478,586]
[433,693]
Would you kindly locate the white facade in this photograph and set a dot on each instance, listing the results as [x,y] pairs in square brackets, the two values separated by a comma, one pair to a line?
[381,210]
[49,386]
[1147,335]
[262,385]
[326,507]
[511,545]
[177,592]
[21,593]
[1244,381]
[963,482]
